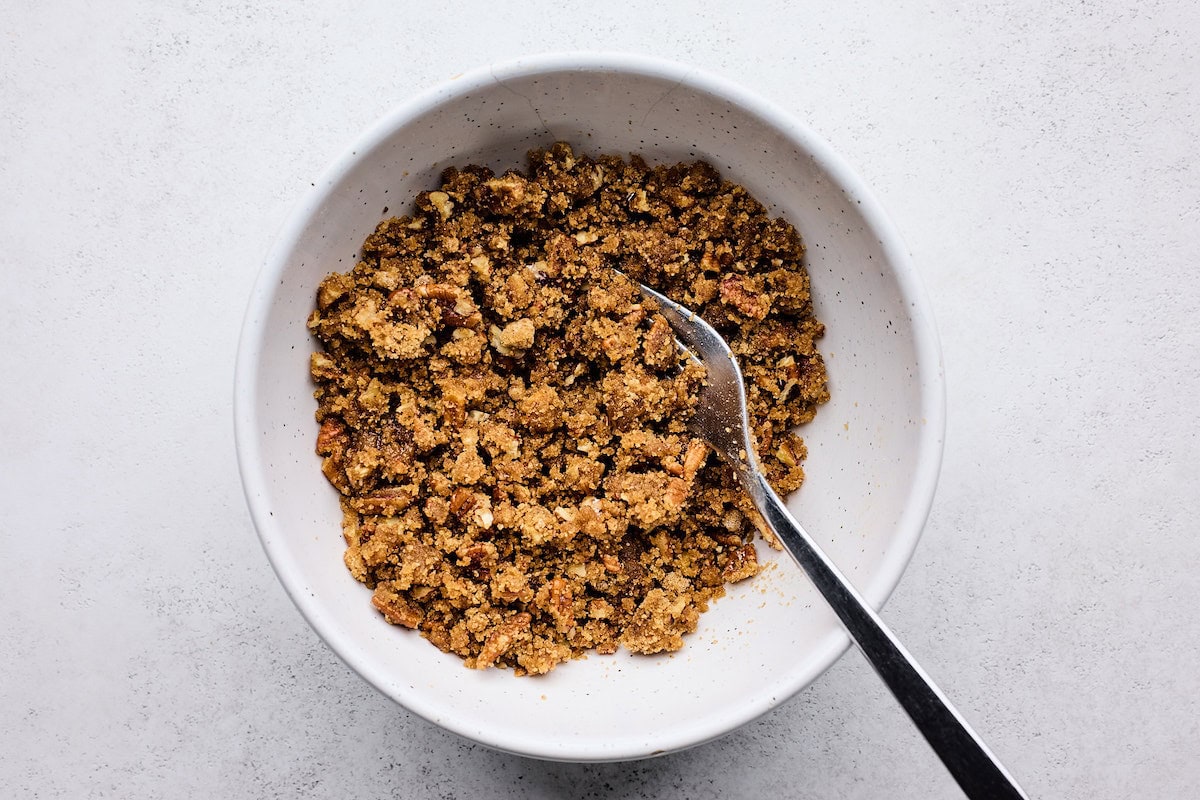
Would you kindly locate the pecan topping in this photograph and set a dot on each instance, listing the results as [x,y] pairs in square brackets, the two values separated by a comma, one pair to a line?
[506,417]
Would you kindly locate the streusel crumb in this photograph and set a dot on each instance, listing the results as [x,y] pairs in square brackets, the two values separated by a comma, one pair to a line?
[505,416]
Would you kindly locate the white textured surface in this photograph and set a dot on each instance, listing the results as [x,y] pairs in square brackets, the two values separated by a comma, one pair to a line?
[1040,159]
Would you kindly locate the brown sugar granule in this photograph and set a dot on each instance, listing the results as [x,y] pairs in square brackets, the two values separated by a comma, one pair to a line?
[505,416]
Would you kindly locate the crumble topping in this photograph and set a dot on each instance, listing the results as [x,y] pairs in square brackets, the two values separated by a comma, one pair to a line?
[505,416]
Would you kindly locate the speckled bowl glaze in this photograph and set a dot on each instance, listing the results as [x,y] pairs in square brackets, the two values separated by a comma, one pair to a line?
[874,450]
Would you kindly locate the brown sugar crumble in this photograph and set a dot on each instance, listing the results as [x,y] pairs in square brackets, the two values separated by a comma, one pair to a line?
[505,416]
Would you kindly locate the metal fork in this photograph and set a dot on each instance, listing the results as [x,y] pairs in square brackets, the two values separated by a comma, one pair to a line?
[720,419]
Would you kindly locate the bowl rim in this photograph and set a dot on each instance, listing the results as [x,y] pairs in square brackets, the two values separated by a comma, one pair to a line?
[930,372]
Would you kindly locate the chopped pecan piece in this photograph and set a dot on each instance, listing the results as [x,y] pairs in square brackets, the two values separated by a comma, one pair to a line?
[502,639]
[395,608]
[332,437]
[750,302]
[742,563]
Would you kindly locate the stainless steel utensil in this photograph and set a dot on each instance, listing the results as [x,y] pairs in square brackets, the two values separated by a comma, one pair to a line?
[721,420]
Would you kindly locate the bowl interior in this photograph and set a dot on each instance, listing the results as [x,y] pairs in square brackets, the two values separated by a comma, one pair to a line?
[874,449]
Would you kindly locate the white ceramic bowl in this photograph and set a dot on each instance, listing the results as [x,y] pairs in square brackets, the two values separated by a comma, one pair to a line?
[874,450]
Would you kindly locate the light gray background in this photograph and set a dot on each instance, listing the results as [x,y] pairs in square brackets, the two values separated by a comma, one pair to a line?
[1039,157]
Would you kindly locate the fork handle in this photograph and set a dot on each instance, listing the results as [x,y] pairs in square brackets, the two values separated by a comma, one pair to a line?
[977,771]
